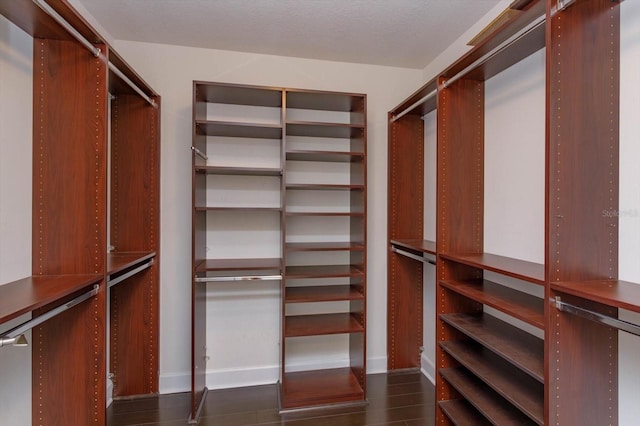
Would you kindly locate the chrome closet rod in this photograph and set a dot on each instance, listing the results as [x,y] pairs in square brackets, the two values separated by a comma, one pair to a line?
[199,153]
[120,278]
[508,42]
[28,325]
[597,317]
[93,49]
[239,278]
[412,256]
[415,104]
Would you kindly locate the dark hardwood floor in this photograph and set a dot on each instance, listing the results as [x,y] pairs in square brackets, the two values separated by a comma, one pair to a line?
[398,399]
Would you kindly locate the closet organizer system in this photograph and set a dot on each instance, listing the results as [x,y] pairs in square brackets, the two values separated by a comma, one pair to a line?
[279,193]
[488,370]
[75,77]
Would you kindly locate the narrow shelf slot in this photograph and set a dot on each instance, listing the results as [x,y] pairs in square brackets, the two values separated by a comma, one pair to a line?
[487,403]
[267,264]
[522,306]
[238,130]
[424,246]
[242,171]
[328,293]
[320,387]
[519,389]
[253,208]
[316,213]
[619,294]
[236,94]
[518,347]
[516,268]
[321,324]
[324,130]
[323,271]
[461,413]
[331,246]
[119,261]
[321,187]
[27,294]
[324,101]
[325,156]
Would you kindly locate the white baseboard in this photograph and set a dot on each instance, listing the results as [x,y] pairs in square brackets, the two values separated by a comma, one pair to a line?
[428,368]
[264,375]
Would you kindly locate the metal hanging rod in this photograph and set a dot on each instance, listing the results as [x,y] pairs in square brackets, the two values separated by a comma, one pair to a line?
[199,153]
[508,42]
[93,49]
[412,256]
[597,317]
[239,278]
[120,278]
[415,104]
[28,325]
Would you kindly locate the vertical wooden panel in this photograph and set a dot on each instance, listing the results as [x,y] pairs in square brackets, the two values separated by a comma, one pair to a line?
[69,222]
[405,221]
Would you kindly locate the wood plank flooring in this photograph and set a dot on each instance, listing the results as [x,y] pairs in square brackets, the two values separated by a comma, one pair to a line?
[395,399]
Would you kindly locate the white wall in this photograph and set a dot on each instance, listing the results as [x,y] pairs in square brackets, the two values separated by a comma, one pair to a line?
[248,321]
[16,72]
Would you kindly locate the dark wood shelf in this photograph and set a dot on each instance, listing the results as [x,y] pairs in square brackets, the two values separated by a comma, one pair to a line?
[320,387]
[324,130]
[239,130]
[323,271]
[119,261]
[321,324]
[244,208]
[211,265]
[424,246]
[514,345]
[323,186]
[461,413]
[522,306]
[243,171]
[328,293]
[346,214]
[325,156]
[516,268]
[486,403]
[237,94]
[519,389]
[619,294]
[330,246]
[27,294]
[324,101]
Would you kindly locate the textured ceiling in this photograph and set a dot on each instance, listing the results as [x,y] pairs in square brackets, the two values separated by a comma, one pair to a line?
[403,33]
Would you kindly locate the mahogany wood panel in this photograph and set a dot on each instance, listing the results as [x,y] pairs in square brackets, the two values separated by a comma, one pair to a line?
[320,387]
[69,228]
[323,271]
[516,268]
[514,345]
[520,390]
[321,324]
[405,221]
[462,413]
[486,402]
[618,294]
[323,293]
[25,295]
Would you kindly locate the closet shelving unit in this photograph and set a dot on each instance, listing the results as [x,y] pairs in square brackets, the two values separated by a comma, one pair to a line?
[407,248]
[73,81]
[491,371]
[324,130]
[312,128]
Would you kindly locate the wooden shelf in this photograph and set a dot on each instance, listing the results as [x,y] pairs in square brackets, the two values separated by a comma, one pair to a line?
[321,324]
[324,101]
[519,389]
[237,94]
[461,413]
[619,294]
[330,246]
[325,156]
[212,265]
[246,208]
[424,246]
[522,306]
[321,187]
[327,293]
[483,402]
[345,214]
[239,130]
[515,346]
[323,271]
[324,130]
[243,171]
[119,261]
[516,268]
[320,387]
[28,294]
